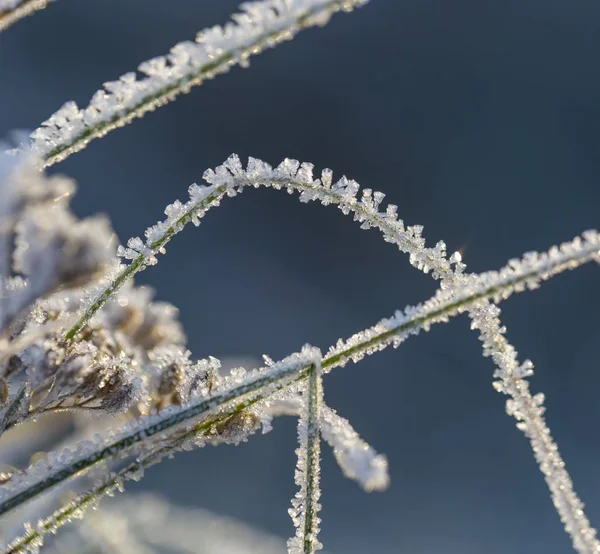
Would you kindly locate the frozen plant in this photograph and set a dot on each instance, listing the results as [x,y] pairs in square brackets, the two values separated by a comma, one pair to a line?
[77,336]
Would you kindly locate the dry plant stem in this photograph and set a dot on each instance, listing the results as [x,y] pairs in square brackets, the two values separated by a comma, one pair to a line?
[219,65]
[376,339]
[21,10]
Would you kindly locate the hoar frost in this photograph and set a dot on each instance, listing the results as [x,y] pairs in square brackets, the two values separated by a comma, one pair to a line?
[258,26]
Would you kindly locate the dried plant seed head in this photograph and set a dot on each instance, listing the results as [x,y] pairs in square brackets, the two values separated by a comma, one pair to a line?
[54,249]
[147,323]
[177,379]
[237,428]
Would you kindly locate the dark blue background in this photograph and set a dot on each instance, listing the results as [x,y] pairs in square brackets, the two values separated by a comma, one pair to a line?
[480,119]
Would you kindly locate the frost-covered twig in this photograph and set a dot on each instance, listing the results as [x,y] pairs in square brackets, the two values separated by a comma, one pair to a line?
[260,25]
[13,10]
[517,276]
[529,410]
[305,505]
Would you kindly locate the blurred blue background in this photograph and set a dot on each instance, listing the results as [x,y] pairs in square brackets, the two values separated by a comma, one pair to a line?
[481,120]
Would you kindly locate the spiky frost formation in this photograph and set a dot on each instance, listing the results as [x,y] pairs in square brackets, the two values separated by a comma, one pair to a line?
[529,410]
[305,505]
[456,286]
[390,331]
[258,26]
[13,10]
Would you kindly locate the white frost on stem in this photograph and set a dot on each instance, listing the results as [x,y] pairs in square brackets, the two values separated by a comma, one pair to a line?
[231,178]
[258,26]
[357,460]
[305,505]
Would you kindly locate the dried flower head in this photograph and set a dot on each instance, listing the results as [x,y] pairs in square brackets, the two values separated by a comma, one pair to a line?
[177,379]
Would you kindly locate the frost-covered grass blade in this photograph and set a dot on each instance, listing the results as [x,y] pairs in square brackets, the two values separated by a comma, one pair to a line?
[305,505]
[258,26]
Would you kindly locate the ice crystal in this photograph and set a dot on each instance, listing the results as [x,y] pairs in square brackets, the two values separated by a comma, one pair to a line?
[258,26]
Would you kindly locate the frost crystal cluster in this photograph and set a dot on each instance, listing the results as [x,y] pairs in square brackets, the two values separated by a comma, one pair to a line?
[77,336]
